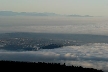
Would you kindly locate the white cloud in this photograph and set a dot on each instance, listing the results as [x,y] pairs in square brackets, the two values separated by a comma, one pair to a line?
[89,55]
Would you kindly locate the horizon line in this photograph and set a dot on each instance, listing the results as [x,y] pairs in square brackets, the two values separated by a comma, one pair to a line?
[87,15]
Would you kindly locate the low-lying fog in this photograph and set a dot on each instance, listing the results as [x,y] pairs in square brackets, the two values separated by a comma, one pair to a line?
[90,55]
[76,25]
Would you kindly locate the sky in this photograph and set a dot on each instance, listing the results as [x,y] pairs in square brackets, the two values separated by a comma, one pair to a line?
[81,7]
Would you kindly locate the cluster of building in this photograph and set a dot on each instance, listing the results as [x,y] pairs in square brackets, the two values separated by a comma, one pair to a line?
[32,43]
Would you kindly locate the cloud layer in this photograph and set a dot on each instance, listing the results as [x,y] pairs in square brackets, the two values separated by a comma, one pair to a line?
[89,55]
[83,25]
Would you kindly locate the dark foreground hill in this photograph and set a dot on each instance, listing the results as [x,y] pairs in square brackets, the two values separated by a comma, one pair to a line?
[42,66]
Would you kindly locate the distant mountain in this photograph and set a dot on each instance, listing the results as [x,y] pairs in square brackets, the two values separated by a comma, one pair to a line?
[11,13]
[79,15]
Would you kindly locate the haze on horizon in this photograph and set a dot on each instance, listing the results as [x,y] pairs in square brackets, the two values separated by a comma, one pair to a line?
[80,7]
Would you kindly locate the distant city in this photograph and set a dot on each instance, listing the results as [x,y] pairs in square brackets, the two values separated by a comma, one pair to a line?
[37,41]
[20,43]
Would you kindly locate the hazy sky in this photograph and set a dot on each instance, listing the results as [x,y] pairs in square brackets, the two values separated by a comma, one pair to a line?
[82,7]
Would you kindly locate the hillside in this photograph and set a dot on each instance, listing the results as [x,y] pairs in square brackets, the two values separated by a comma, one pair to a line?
[42,66]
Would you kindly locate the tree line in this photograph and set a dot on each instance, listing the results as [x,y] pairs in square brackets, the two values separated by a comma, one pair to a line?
[42,66]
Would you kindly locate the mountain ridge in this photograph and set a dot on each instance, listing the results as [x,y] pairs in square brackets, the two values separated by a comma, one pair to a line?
[12,13]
